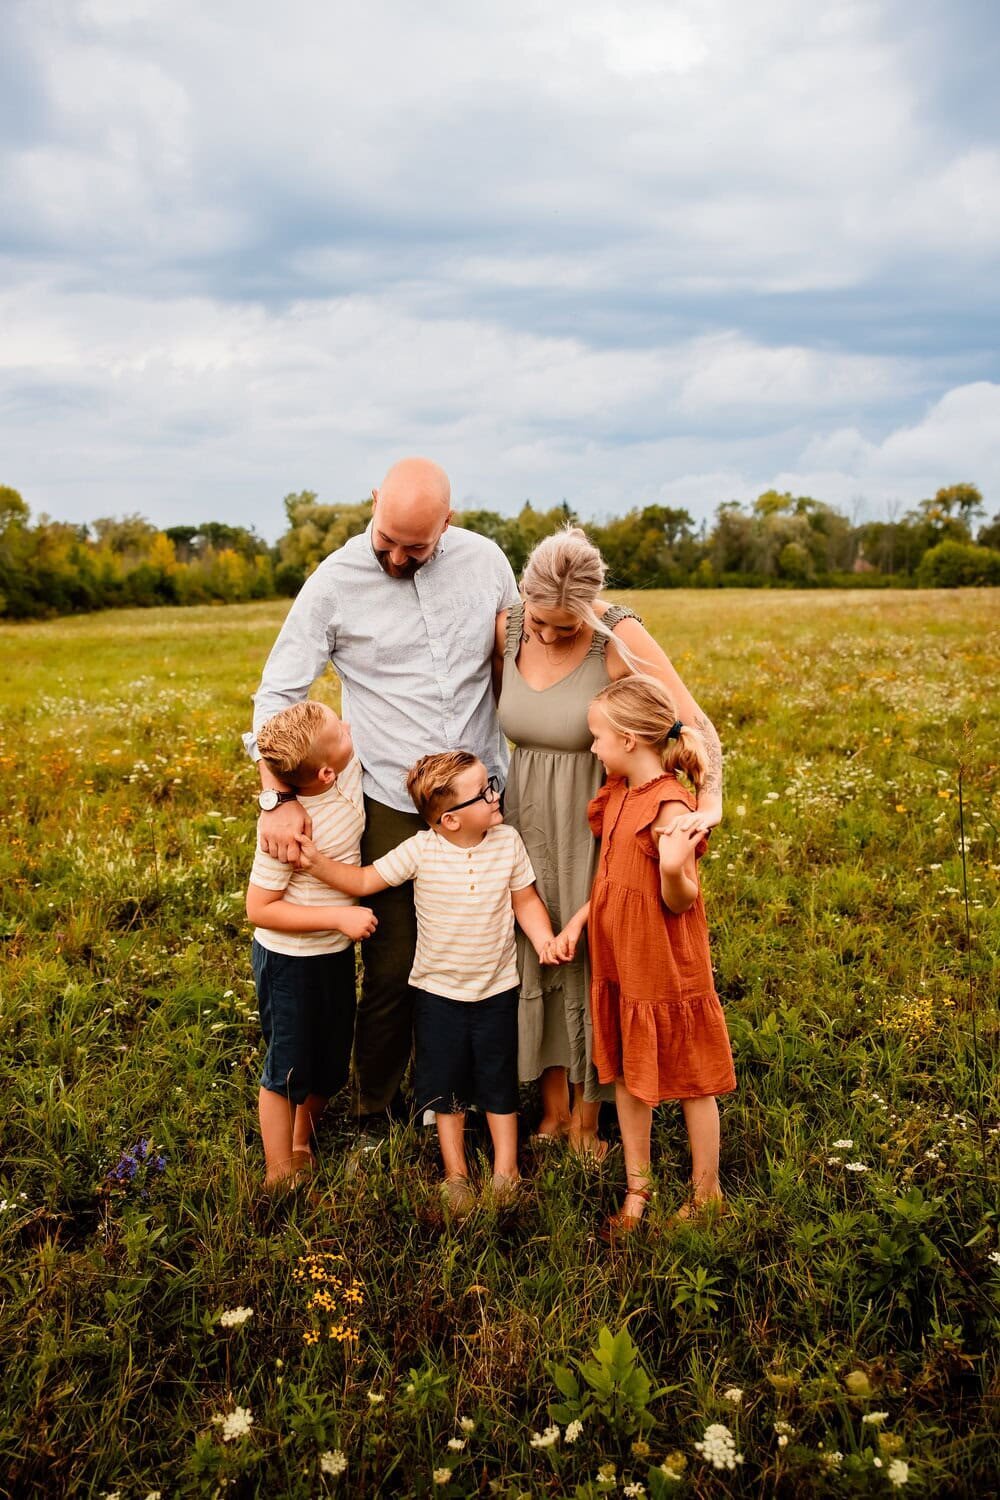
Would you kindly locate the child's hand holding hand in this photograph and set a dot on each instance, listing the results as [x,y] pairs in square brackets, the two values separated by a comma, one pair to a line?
[310,858]
[562,948]
[358,922]
[676,844]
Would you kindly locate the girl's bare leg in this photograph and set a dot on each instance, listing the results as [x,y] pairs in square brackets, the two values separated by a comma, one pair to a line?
[555,1119]
[701,1116]
[635,1119]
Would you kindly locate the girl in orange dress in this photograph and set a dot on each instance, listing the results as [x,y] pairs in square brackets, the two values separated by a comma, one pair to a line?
[658,1028]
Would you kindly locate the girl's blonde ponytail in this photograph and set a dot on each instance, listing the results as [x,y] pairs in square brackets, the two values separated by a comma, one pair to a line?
[641,706]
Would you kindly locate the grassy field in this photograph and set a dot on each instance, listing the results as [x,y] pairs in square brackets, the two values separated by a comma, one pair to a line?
[857,1277]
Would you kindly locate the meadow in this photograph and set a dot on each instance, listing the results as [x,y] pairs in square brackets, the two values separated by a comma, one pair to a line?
[164,1331]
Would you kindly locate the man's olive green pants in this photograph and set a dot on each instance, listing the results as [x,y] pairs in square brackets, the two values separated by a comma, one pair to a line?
[383,1030]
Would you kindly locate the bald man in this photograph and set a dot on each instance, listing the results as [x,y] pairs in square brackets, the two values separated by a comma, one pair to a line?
[406,612]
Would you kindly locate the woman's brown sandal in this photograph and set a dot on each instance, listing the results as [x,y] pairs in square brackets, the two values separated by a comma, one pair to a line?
[621,1225]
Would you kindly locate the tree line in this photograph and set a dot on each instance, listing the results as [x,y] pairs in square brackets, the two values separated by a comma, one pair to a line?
[779,540]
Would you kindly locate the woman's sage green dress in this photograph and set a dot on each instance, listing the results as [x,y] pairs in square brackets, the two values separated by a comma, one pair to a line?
[552,778]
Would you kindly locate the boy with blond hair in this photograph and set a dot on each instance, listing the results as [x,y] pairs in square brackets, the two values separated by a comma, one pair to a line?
[303,945]
[471,878]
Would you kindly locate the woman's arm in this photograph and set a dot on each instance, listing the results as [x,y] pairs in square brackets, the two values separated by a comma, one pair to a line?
[653,660]
[270,909]
[353,880]
[499,647]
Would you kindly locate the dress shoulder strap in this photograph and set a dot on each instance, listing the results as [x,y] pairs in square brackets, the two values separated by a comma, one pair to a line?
[612,616]
[515,627]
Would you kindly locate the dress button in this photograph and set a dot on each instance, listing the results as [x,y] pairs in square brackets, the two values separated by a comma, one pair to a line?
[472,887]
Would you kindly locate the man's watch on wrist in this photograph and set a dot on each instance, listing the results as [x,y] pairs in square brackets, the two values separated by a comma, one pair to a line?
[269,799]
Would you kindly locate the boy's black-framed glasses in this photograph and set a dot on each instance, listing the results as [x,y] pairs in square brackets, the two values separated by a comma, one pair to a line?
[489,793]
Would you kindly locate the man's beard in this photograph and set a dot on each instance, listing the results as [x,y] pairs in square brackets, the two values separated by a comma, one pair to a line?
[406,571]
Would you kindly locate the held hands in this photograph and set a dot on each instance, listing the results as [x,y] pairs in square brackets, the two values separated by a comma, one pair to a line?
[561,949]
[700,821]
[358,922]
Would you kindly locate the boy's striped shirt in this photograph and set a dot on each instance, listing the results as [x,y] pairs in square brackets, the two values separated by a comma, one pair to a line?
[465,921]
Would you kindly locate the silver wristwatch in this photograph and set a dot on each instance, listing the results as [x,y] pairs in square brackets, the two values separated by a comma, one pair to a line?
[269,799]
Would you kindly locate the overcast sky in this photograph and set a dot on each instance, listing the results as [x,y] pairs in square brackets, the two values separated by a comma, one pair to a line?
[609,253]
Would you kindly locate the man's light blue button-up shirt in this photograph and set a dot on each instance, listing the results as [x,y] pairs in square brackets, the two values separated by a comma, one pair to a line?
[413,655]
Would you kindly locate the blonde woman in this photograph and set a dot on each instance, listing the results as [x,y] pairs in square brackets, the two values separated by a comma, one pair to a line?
[555,651]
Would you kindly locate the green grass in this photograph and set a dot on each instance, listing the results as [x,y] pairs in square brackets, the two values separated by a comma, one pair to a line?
[835,899]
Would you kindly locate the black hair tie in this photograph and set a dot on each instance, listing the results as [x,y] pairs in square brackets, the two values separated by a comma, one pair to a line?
[674,732]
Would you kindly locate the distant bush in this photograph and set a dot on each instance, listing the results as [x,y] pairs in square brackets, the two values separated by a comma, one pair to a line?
[954,565]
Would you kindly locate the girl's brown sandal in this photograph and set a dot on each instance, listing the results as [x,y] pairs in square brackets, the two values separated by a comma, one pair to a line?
[621,1226]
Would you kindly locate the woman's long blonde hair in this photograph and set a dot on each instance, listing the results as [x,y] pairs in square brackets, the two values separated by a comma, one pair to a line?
[566,571]
[641,706]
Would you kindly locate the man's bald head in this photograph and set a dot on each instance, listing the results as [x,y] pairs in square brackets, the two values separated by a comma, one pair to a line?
[409,515]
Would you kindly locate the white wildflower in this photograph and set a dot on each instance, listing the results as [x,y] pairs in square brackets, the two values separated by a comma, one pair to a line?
[994,1256]
[467,1424]
[856,1166]
[546,1439]
[734,1395]
[235,1424]
[573,1431]
[235,1317]
[333,1461]
[634,1489]
[718,1447]
[833,1459]
[152,1495]
[441,1476]
[784,1429]
[375,1398]
[876,1463]
[874,1418]
[457,1444]
[844,1145]
[898,1472]
[783,1440]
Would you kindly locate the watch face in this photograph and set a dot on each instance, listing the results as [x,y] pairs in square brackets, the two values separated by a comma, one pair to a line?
[268,800]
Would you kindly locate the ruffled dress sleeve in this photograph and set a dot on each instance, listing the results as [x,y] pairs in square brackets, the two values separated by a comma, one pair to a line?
[596,806]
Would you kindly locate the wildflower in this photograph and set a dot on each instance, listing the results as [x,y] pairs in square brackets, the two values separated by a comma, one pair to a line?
[994,1256]
[857,1383]
[468,1425]
[856,1166]
[457,1444]
[673,1466]
[573,1431]
[734,1395]
[634,1489]
[741,811]
[833,1459]
[640,1449]
[874,1418]
[784,1429]
[834,1161]
[898,1472]
[152,1495]
[844,1145]
[718,1447]
[607,1474]
[546,1439]
[441,1476]
[235,1424]
[375,1398]
[235,1317]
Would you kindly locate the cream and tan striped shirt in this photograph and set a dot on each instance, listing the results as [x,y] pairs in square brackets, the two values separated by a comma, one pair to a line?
[465,921]
[338,821]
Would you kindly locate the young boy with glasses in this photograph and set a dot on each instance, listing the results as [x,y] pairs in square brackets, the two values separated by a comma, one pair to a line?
[471,879]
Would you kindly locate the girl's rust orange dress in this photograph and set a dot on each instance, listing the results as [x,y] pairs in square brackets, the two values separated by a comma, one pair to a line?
[657,1020]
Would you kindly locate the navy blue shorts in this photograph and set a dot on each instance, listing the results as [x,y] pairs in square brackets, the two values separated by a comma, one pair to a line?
[465,1053]
[307,1016]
